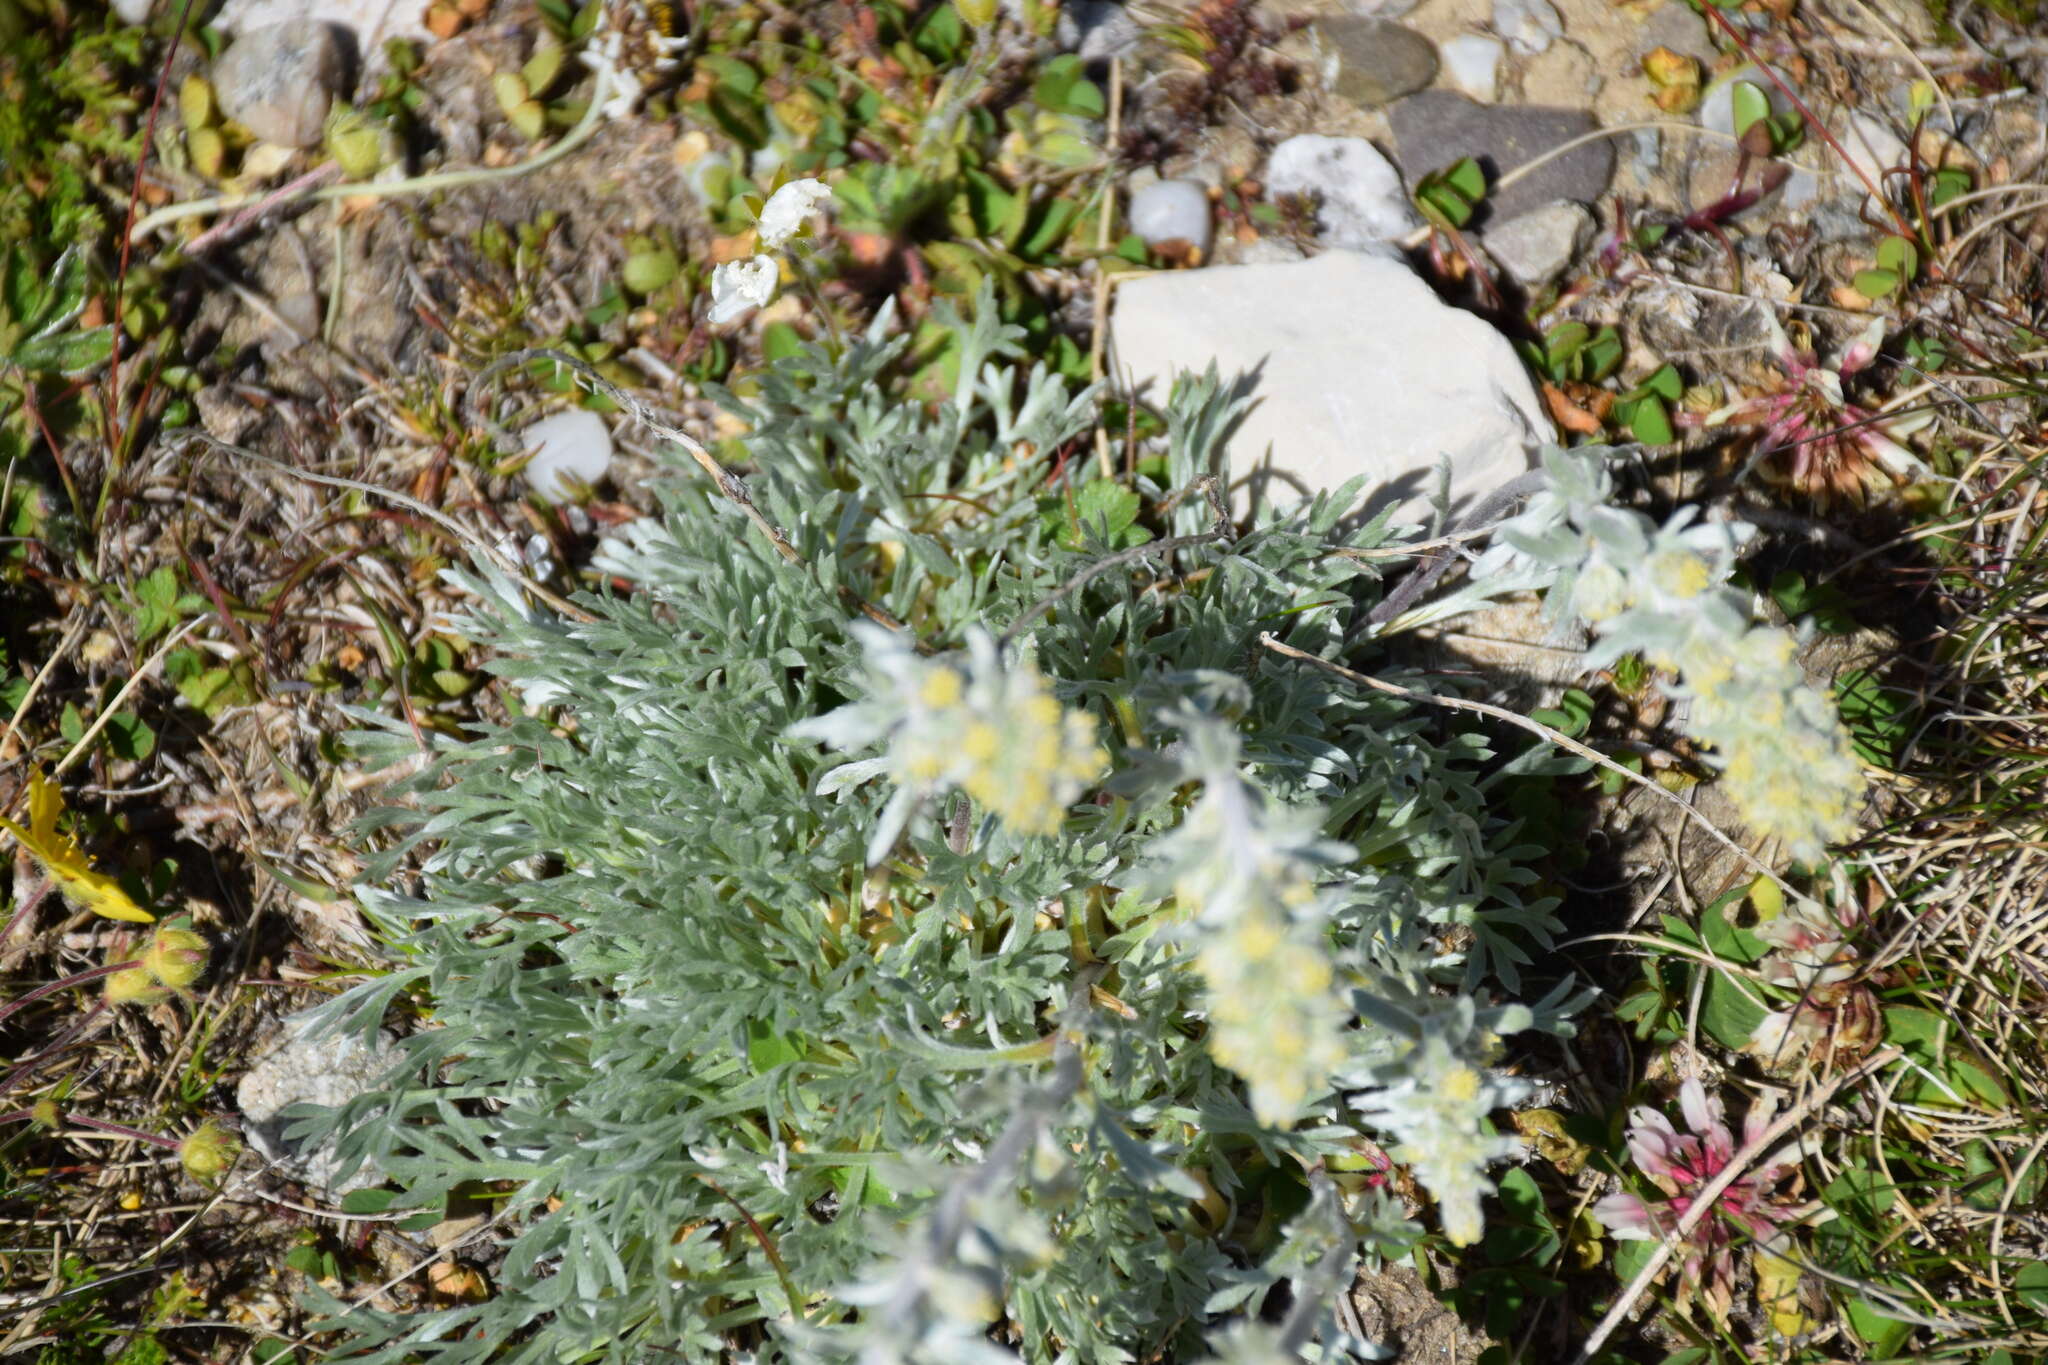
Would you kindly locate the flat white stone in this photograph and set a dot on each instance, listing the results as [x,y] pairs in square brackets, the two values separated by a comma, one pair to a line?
[1358,368]
[1872,147]
[1363,202]
[1473,64]
[574,447]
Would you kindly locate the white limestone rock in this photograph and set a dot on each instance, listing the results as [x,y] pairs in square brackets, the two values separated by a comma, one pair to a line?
[367,22]
[1472,62]
[1358,367]
[1530,26]
[1362,200]
[327,1071]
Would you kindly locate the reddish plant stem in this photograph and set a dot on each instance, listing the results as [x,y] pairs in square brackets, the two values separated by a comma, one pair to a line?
[52,987]
[66,1039]
[22,911]
[122,1130]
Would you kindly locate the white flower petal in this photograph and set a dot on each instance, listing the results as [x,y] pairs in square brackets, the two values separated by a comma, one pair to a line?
[782,217]
[739,285]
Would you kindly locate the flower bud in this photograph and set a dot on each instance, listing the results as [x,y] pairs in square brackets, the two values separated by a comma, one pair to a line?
[208,1153]
[356,141]
[134,986]
[176,956]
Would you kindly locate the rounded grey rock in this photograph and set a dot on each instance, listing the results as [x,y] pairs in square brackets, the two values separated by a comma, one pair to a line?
[1674,25]
[1378,61]
[1536,247]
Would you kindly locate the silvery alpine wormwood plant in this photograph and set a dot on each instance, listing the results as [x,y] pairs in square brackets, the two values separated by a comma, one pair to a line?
[972,985]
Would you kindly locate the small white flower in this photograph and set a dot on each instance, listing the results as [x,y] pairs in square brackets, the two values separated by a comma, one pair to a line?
[602,56]
[740,285]
[777,1170]
[782,217]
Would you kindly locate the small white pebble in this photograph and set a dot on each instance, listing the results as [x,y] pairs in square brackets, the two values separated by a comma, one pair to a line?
[1172,211]
[574,447]
[1473,64]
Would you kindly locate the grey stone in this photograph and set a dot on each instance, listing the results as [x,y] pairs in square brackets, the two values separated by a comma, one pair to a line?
[1170,211]
[1536,247]
[1102,29]
[1530,26]
[280,81]
[1378,61]
[301,1069]
[1675,26]
[1361,201]
[1437,127]
[1358,369]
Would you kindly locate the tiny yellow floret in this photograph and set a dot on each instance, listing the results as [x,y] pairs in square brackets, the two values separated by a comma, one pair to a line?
[942,689]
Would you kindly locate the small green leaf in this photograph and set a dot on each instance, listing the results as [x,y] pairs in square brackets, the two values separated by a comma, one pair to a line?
[1727,1014]
[1882,1334]
[66,352]
[2031,1282]
[649,270]
[511,91]
[1899,255]
[366,1202]
[767,1049]
[1649,421]
[129,736]
[543,67]
[780,341]
[1665,383]
[1468,178]
[1875,284]
[1748,104]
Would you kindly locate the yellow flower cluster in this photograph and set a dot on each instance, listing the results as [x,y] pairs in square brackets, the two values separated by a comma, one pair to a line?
[1439,1109]
[1784,752]
[1274,1016]
[1001,737]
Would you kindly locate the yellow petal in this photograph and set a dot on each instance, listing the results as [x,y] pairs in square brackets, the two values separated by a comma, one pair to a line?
[99,893]
[1777,1289]
[66,863]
